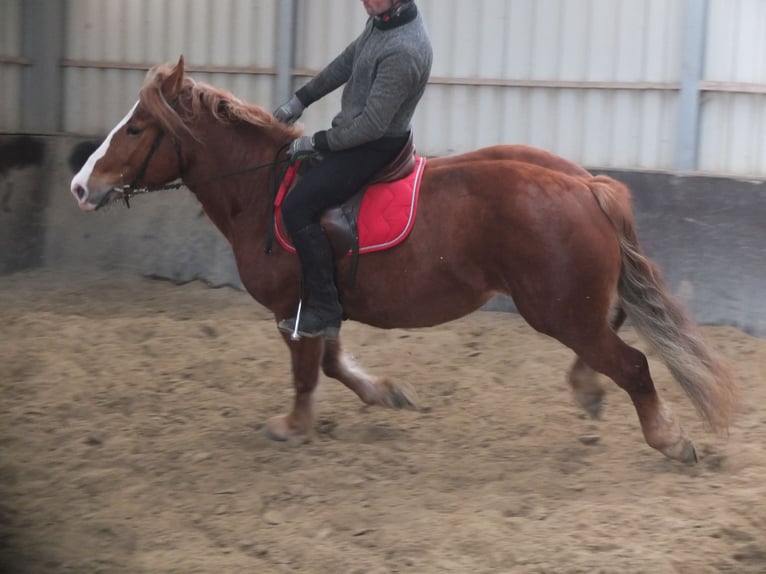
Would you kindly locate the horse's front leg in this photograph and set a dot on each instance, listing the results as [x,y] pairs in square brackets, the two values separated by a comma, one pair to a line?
[339,365]
[297,425]
[587,388]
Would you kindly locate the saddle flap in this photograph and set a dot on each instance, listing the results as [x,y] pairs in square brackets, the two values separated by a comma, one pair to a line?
[343,237]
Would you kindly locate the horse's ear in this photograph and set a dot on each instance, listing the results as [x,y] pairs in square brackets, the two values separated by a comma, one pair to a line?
[171,86]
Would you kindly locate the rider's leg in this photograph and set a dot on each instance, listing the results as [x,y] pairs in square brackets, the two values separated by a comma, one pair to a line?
[334,180]
[322,315]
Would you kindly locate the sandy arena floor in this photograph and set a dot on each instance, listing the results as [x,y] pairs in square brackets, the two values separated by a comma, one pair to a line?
[130,443]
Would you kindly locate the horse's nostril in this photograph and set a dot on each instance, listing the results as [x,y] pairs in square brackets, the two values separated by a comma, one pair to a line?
[80,192]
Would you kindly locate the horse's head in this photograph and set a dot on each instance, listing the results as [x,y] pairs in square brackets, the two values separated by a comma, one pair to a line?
[143,149]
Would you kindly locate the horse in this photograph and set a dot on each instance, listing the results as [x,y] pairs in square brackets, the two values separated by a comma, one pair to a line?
[511,220]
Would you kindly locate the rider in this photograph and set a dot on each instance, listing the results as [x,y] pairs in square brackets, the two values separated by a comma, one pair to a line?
[385,71]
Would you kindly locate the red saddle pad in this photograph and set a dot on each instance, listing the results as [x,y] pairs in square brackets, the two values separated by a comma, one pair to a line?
[386,215]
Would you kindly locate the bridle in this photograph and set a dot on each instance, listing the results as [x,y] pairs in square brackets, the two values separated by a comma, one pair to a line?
[130,190]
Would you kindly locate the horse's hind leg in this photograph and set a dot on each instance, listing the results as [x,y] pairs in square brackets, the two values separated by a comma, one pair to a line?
[586,386]
[297,425]
[628,367]
[338,364]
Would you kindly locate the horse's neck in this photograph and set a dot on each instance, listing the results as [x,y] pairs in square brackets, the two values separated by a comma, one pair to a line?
[223,176]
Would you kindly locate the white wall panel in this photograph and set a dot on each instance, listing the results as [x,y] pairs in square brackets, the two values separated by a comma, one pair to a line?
[736,49]
[732,131]
[662,42]
[578,41]
[10,73]
[733,121]
[10,28]
[324,29]
[141,33]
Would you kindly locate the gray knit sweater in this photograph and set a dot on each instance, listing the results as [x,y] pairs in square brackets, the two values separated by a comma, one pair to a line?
[385,71]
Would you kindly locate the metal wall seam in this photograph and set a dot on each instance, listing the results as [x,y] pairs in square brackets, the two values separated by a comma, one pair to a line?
[41,81]
[285,52]
[692,64]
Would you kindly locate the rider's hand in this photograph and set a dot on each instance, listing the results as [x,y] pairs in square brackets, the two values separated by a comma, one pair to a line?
[290,111]
[301,148]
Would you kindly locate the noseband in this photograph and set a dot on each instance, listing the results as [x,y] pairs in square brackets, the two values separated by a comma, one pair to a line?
[130,190]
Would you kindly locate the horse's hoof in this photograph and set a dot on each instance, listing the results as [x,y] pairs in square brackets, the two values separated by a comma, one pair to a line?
[401,397]
[278,428]
[594,406]
[592,403]
[682,451]
[689,453]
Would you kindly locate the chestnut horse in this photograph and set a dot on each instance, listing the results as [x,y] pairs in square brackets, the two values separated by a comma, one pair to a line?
[507,219]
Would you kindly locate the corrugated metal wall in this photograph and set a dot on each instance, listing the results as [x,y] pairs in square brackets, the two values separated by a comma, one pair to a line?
[11,62]
[734,107]
[589,79]
[111,43]
[594,80]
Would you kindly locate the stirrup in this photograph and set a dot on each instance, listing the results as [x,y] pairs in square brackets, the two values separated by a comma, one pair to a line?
[292,327]
[294,335]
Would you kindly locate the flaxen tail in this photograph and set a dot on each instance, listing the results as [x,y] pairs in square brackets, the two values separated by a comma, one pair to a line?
[661,319]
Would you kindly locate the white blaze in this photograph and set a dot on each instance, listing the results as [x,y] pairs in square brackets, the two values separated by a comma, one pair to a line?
[82,177]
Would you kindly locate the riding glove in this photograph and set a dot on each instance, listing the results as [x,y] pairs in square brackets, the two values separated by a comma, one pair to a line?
[301,148]
[290,111]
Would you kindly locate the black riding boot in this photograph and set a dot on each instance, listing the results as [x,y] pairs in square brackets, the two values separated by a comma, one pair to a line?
[322,314]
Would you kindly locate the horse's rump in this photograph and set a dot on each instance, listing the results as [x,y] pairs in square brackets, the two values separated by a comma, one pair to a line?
[522,153]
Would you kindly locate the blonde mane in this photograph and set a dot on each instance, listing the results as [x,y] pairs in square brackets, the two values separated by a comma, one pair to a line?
[199,97]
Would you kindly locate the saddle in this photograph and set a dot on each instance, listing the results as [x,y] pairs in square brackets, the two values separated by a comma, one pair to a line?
[341,223]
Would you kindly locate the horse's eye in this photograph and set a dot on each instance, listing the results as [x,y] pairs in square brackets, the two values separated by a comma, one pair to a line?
[132,131]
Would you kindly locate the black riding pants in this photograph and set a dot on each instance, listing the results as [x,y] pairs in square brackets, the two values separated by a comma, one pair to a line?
[335,179]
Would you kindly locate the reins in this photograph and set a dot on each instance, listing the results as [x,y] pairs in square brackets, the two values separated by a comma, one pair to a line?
[129,190]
